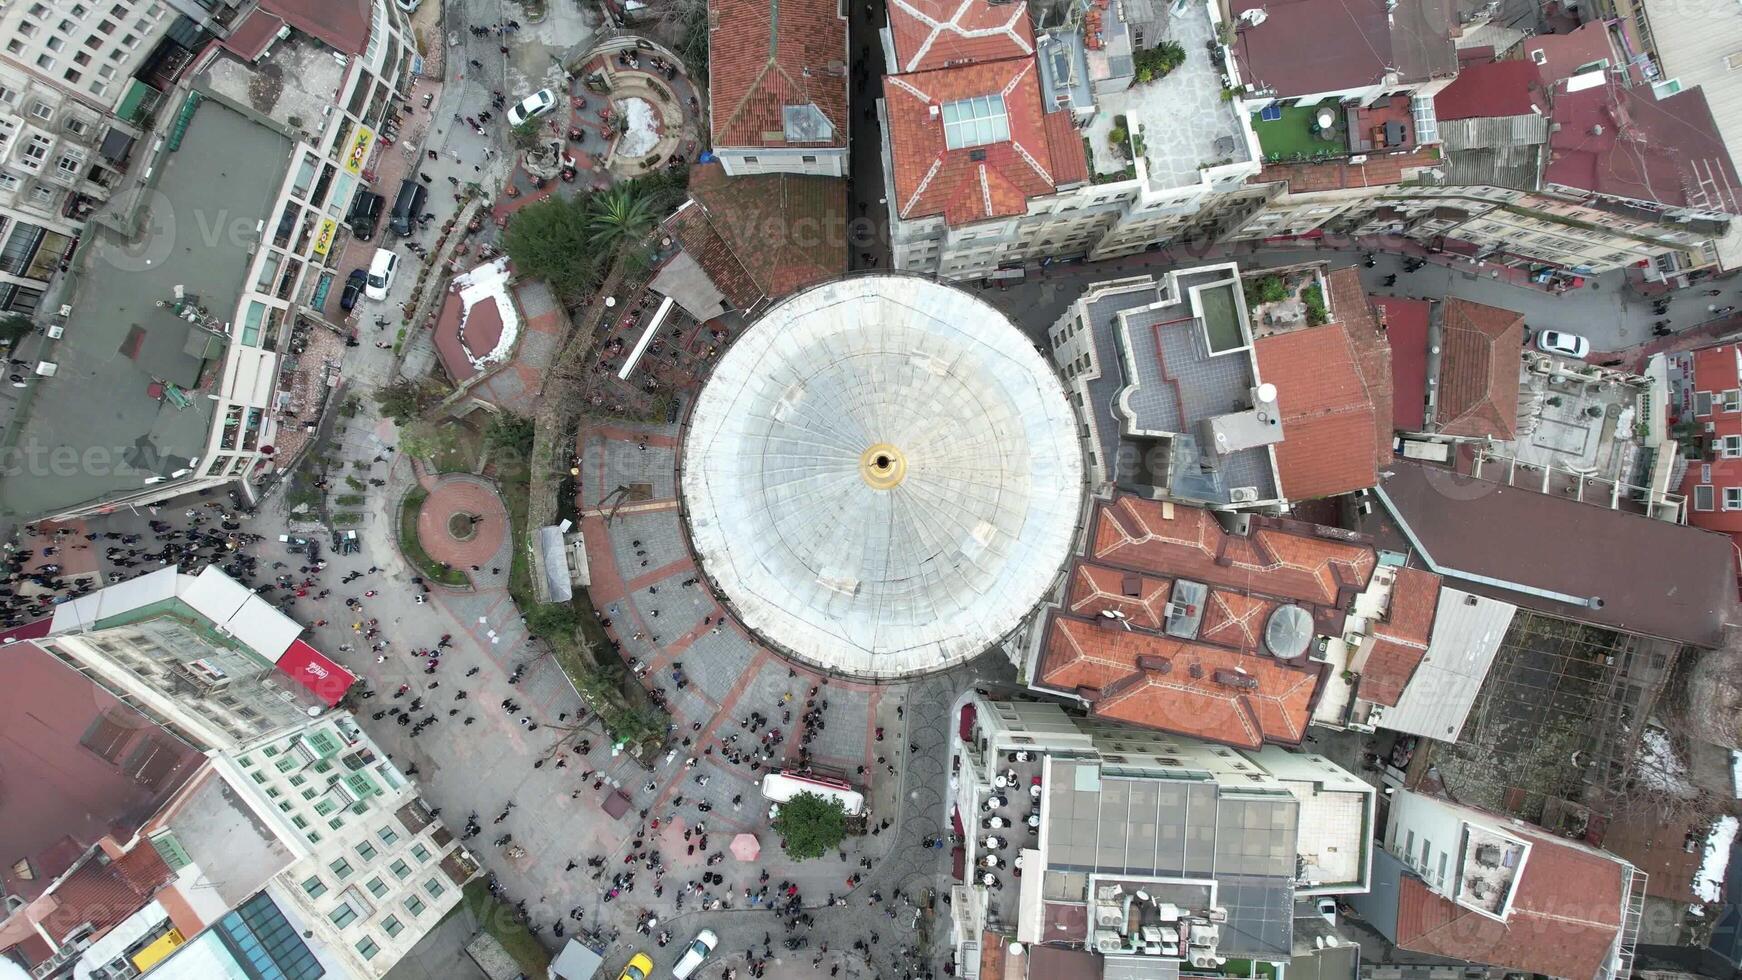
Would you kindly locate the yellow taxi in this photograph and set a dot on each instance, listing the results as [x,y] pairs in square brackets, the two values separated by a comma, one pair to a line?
[640,968]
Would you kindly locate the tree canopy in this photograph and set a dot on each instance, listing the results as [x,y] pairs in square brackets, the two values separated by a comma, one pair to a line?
[810,825]
[552,240]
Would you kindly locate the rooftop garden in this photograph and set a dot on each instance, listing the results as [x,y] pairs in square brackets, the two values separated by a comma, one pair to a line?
[1292,135]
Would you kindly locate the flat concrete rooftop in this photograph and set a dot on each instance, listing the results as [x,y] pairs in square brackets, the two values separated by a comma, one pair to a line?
[200,232]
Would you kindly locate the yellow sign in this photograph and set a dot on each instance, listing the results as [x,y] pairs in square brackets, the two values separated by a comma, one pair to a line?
[324,240]
[153,954]
[359,149]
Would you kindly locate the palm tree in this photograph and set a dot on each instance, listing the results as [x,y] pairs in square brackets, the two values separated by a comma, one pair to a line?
[618,215]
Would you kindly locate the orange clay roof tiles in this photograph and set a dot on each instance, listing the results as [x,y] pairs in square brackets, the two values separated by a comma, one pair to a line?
[941,33]
[1132,684]
[765,55]
[1479,373]
[1566,915]
[1095,588]
[976,183]
[1327,415]
[1132,532]
[1401,638]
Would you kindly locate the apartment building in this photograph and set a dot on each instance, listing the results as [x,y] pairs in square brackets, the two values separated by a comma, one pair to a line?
[371,864]
[1079,802]
[196,403]
[1277,124]
[777,86]
[1459,882]
[200,655]
[304,849]
[78,82]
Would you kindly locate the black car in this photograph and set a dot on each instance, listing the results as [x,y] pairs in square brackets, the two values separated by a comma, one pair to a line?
[365,214]
[353,289]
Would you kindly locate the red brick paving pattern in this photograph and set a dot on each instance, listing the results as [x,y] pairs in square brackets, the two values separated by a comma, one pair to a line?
[460,494]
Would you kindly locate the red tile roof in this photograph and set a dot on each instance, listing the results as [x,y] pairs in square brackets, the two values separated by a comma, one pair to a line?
[1623,142]
[1097,588]
[1305,47]
[1378,171]
[1401,638]
[696,233]
[970,183]
[342,25]
[1405,323]
[1302,564]
[1372,353]
[104,894]
[1327,416]
[1715,369]
[1132,672]
[1161,682]
[1070,165]
[786,231]
[84,756]
[1562,54]
[1566,914]
[1488,89]
[1478,392]
[941,33]
[251,37]
[765,55]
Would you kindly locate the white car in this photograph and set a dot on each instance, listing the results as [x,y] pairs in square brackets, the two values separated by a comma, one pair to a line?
[534,105]
[692,958]
[381,269]
[1562,343]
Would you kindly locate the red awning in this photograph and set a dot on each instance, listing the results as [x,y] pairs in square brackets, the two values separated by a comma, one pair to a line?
[966,727]
[311,668]
[29,631]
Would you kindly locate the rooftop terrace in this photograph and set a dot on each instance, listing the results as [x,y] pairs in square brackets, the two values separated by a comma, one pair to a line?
[128,395]
[1190,362]
[1184,122]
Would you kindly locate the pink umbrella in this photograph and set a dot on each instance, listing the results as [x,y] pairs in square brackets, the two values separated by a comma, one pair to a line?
[745,847]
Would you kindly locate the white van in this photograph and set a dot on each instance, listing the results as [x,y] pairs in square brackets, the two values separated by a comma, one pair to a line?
[692,958]
[381,269]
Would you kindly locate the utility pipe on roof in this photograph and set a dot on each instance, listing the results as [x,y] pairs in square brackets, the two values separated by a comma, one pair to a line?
[1592,602]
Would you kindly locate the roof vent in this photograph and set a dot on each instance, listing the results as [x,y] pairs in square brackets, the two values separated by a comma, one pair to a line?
[978,156]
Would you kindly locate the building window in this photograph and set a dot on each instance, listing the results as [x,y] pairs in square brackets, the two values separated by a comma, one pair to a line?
[315,887]
[341,868]
[749,159]
[414,905]
[434,888]
[366,851]
[42,111]
[54,43]
[376,887]
[387,836]
[421,853]
[1730,447]
[807,158]
[1732,401]
[1733,498]
[69,165]
[399,868]
[366,948]
[392,926]
[343,916]
[1703,497]
[1702,403]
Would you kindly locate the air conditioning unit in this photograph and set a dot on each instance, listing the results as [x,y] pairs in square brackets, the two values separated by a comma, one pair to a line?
[1243,495]
[56,332]
[46,369]
[1204,961]
[1108,942]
